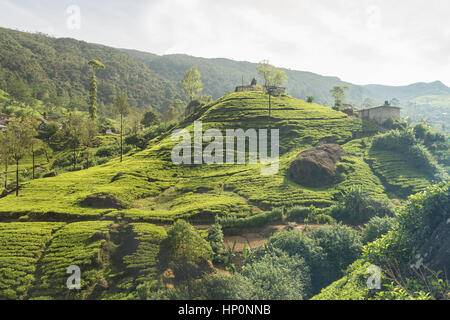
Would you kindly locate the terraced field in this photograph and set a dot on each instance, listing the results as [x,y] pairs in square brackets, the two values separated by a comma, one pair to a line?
[139,181]
[399,176]
[21,248]
[110,219]
[35,256]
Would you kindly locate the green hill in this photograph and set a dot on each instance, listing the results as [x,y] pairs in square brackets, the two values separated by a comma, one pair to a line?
[110,219]
[149,186]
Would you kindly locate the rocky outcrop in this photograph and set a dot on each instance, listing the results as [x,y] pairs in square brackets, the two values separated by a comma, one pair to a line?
[50,175]
[102,201]
[316,167]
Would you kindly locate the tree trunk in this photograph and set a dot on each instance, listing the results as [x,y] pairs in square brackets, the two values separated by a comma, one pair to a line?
[6,174]
[74,158]
[270,103]
[32,152]
[87,158]
[121,137]
[46,153]
[17,178]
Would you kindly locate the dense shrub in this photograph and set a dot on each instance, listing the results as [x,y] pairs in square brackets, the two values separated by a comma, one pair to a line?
[327,251]
[225,287]
[299,213]
[108,151]
[185,251]
[275,275]
[215,239]
[258,220]
[356,206]
[414,223]
[112,150]
[341,246]
[66,159]
[310,215]
[210,287]
[395,140]
[393,124]
[376,227]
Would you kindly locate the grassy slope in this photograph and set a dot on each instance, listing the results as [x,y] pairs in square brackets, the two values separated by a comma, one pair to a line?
[154,189]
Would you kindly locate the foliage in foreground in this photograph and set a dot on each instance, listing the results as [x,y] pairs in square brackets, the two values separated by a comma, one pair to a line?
[404,274]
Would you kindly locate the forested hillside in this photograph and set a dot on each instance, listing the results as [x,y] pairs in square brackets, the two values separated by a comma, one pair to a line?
[56,72]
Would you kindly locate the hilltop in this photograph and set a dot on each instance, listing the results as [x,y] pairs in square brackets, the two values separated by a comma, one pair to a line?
[148,186]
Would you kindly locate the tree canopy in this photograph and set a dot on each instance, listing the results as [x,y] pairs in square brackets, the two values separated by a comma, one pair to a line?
[192,83]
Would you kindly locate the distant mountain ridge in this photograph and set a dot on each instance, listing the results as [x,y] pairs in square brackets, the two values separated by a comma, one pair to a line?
[57,69]
[409,92]
[222,75]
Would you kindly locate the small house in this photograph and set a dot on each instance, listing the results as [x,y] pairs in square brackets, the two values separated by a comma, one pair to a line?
[380,114]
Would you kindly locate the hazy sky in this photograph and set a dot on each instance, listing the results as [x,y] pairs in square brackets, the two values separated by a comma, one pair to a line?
[392,42]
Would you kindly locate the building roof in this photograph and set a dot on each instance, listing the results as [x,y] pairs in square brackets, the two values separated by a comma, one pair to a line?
[386,105]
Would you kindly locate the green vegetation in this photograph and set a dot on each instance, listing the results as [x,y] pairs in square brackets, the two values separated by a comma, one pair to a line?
[104,194]
[396,252]
[185,250]
[338,93]
[22,246]
[95,65]
[56,72]
[122,108]
[82,244]
[144,261]
[192,83]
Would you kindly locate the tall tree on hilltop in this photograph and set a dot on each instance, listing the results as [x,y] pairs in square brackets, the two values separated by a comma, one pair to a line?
[95,65]
[192,83]
[273,77]
[338,93]
[122,108]
[19,136]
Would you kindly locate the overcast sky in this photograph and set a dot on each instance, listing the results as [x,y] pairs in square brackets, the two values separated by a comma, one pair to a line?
[393,42]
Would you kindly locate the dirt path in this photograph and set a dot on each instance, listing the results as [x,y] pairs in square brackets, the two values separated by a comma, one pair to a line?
[256,238]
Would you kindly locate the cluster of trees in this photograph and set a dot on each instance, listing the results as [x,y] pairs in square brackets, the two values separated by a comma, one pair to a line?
[292,265]
[17,142]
